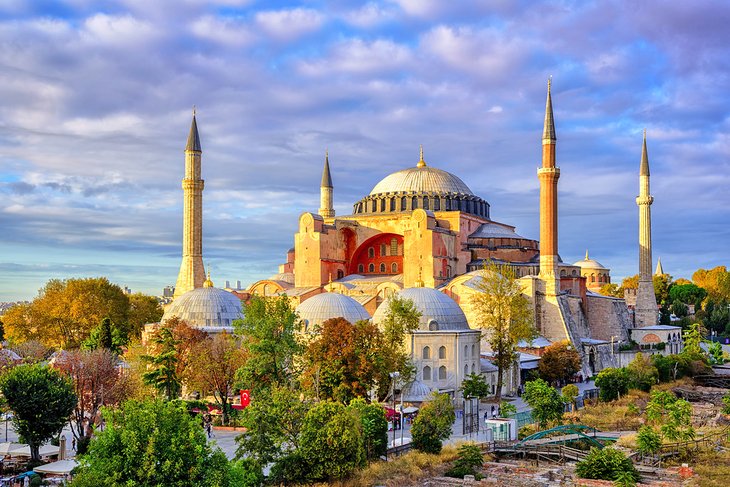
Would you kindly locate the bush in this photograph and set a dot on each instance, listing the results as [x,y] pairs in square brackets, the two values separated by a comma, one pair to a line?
[374,427]
[726,404]
[247,473]
[648,441]
[288,469]
[433,424]
[642,374]
[469,461]
[546,402]
[606,464]
[612,383]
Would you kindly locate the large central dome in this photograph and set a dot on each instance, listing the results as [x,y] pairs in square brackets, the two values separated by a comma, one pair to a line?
[421,180]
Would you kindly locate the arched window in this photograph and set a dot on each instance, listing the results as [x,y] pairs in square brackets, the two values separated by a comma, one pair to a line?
[593,278]
[437,204]
[340,274]
[427,373]
[403,204]
[466,370]
[371,252]
[382,205]
[414,203]
[392,204]
[472,368]
[562,272]
[426,353]
[382,267]
[394,268]
[442,352]
[383,250]
[472,351]
[433,325]
[360,268]
[393,246]
[442,372]
[574,273]
[371,267]
[425,202]
[448,271]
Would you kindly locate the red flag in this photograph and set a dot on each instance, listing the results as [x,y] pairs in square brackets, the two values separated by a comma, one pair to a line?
[245,398]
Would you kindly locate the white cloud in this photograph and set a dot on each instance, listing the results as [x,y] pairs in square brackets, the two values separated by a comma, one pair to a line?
[358,56]
[287,25]
[118,30]
[228,31]
[369,15]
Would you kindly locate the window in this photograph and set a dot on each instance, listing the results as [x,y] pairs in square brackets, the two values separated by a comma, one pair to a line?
[593,278]
[414,203]
[442,373]
[425,202]
[371,267]
[382,205]
[392,204]
[426,353]
[448,271]
[382,268]
[562,272]
[360,268]
[466,350]
[340,274]
[394,268]
[442,352]
[393,246]
[403,204]
[371,252]
[466,370]
[383,250]
[472,368]
[473,350]
[427,373]
[437,204]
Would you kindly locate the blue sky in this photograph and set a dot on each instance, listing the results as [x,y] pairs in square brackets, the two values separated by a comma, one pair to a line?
[97,100]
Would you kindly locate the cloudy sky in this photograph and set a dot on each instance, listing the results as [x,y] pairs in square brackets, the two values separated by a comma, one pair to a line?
[97,98]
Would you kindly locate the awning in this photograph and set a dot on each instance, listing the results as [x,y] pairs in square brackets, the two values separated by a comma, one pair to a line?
[61,467]
[44,451]
[7,447]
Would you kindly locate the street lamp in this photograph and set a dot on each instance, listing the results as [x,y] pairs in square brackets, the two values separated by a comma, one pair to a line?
[394,377]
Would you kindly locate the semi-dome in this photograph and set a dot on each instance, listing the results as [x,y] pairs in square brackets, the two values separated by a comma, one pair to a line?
[205,306]
[322,307]
[438,311]
[589,263]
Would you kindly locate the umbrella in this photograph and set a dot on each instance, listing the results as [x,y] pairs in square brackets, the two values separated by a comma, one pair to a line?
[7,447]
[410,410]
[61,467]
[44,451]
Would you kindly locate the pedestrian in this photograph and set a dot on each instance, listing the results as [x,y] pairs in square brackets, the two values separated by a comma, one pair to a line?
[209,428]
[494,414]
[73,444]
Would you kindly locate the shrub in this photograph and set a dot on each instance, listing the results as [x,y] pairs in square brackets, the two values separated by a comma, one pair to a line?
[546,402]
[374,427]
[606,464]
[469,461]
[726,404]
[642,374]
[433,424]
[507,409]
[612,383]
[648,441]
[247,473]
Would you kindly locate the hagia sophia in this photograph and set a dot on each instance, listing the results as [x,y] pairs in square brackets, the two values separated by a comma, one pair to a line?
[421,233]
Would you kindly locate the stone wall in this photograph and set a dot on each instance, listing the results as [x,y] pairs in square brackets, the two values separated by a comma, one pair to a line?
[608,317]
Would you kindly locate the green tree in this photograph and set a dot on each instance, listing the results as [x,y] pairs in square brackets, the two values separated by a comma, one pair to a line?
[152,443]
[648,440]
[163,373]
[612,383]
[692,343]
[642,373]
[374,427]
[715,353]
[433,424]
[504,314]
[605,464]
[108,336]
[143,309]
[332,442]
[687,294]
[726,403]
[468,461]
[559,361]
[41,399]
[475,385]
[570,392]
[671,414]
[546,402]
[507,409]
[268,340]
[401,319]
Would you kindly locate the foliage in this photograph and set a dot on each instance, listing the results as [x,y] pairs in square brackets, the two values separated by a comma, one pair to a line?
[64,312]
[605,464]
[2,331]
[624,479]
[671,414]
[715,281]
[507,409]
[726,403]
[716,315]
[163,375]
[433,424]
[611,289]
[374,427]
[569,393]
[715,353]
[469,460]
[98,381]
[621,414]
[345,361]
[642,373]
[32,351]
[143,309]
[670,367]
[648,440]
[401,318]
[107,336]
[475,385]
[212,368]
[268,341]
[559,361]
[42,401]
[662,285]
[612,383]
[273,421]
[692,341]
[152,443]
[679,309]
[504,313]
[331,441]
[546,402]
[246,473]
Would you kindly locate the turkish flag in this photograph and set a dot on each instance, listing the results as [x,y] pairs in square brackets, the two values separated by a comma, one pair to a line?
[245,398]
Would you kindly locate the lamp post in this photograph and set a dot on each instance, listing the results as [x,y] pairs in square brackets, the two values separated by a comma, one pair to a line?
[394,377]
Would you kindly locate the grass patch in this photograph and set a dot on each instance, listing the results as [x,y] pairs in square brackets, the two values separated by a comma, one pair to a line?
[620,415]
[712,468]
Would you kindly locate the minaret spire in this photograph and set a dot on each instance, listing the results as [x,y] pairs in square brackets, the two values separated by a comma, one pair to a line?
[548,175]
[192,271]
[659,269]
[326,190]
[646,305]
[421,162]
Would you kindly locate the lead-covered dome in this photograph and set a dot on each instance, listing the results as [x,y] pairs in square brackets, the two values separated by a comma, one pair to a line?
[588,263]
[205,306]
[322,307]
[438,311]
[422,187]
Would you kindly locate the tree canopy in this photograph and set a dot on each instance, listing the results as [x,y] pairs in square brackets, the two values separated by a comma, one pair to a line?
[559,361]
[546,402]
[433,424]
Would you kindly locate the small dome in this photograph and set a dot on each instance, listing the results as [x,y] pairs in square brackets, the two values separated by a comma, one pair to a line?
[589,263]
[205,306]
[416,391]
[421,180]
[322,307]
[439,311]
[287,277]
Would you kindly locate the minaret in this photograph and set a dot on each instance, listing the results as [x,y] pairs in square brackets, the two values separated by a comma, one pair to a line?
[659,269]
[646,307]
[192,272]
[548,175]
[326,208]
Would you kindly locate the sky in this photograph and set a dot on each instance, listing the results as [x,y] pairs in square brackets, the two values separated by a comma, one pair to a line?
[97,100]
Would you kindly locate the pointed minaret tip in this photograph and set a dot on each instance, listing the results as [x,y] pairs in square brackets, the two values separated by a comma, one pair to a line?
[586,254]
[421,162]
[193,137]
[659,269]
[326,176]
[548,132]
[644,170]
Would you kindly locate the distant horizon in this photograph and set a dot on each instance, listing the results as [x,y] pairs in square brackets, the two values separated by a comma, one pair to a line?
[98,104]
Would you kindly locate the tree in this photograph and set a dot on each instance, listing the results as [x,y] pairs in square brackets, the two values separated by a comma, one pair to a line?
[611,289]
[64,312]
[401,319]
[662,284]
[648,440]
[108,336]
[98,381]
[143,309]
[715,281]
[374,427]
[42,401]
[152,443]
[546,402]
[268,340]
[570,392]
[687,293]
[612,383]
[433,424]
[505,315]
[672,415]
[2,331]
[606,464]
[692,343]
[560,361]
[163,375]
[726,403]
[642,373]
[469,459]
[475,385]
[331,441]
[213,366]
